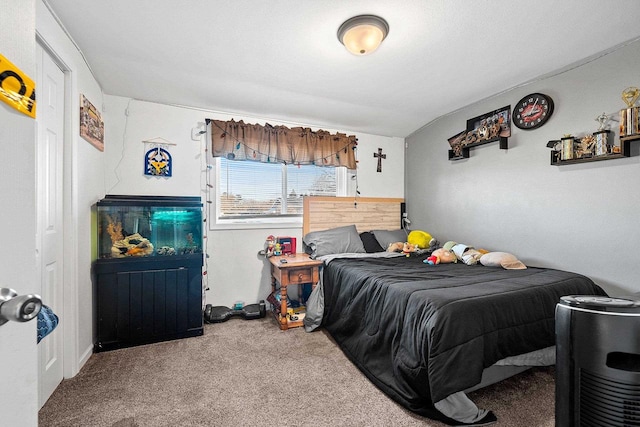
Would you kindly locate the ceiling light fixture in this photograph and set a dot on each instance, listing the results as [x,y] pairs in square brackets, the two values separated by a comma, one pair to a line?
[362,34]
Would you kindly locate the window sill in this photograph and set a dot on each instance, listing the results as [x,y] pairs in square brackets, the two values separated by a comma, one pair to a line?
[256,224]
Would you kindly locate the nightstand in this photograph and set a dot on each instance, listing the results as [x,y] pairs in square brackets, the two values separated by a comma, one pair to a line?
[297,270]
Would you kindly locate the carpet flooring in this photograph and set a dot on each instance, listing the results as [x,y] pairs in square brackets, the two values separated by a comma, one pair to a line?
[250,373]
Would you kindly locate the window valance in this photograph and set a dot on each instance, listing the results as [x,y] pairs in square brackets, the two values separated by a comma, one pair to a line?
[280,144]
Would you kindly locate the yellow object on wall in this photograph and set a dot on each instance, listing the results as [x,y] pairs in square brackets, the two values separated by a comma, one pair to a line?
[16,88]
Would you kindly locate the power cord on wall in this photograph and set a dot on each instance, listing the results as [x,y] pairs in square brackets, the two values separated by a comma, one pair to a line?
[405,223]
[124,138]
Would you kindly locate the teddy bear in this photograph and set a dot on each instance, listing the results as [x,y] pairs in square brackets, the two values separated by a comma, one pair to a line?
[395,247]
[408,248]
[404,247]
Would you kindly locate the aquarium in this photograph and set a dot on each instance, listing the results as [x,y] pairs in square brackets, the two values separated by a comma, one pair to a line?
[149,226]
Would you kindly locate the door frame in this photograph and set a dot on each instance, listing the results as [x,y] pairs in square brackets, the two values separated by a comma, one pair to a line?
[69,320]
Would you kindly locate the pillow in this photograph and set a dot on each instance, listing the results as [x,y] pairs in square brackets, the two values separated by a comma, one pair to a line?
[387,237]
[502,259]
[338,240]
[370,243]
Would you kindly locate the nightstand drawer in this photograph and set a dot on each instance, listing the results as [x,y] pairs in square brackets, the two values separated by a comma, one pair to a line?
[300,275]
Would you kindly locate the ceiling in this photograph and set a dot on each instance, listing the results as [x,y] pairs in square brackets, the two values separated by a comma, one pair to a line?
[281,59]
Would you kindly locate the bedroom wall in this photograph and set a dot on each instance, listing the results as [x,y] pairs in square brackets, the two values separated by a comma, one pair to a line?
[581,217]
[235,270]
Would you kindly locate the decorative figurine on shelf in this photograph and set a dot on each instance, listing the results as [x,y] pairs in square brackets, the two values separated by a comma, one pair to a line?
[630,96]
[603,119]
[567,147]
[277,251]
[601,143]
[585,148]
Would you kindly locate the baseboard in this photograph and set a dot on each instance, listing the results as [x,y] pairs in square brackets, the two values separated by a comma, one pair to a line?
[85,357]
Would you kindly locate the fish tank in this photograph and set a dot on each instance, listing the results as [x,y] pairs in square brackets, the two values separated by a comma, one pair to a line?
[148,226]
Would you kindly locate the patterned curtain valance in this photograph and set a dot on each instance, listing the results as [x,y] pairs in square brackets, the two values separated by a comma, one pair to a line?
[280,144]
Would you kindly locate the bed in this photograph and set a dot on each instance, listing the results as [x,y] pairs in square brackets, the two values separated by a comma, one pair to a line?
[426,335]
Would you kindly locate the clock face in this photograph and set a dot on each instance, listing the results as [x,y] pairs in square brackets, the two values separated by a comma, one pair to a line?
[532,111]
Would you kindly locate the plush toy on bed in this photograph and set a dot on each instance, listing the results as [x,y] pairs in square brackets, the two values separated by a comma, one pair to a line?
[408,248]
[502,259]
[404,247]
[444,256]
[432,260]
[422,240]
[467,254]
[395,247]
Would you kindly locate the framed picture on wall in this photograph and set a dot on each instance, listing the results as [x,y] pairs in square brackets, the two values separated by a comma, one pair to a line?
[457,143]
[490,126]
[91,124]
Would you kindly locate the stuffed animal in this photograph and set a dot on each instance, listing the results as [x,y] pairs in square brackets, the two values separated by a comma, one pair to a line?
[408,248]
[445,256]
[395,247]
[467,254]
[502,259]
[404,247]
[432,260]
[422,240]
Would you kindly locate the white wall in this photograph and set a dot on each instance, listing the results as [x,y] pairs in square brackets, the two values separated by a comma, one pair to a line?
[581,218]
[235,271]
[84,185]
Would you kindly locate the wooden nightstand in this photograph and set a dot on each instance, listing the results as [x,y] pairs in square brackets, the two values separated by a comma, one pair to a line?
[297,270]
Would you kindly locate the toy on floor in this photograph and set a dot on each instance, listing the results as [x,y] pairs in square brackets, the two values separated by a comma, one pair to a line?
[220,313]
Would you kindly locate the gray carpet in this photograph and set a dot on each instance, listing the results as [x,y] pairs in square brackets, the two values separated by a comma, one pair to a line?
[249,373]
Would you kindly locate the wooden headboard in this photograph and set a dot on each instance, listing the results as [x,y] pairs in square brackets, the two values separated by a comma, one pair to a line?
[367,213]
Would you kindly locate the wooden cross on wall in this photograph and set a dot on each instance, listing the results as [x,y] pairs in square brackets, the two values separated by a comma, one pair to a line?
[380,156]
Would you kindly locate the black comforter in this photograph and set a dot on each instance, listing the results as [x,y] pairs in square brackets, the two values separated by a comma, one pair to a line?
[421,332]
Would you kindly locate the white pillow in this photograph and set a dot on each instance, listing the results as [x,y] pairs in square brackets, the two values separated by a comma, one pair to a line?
[502,259]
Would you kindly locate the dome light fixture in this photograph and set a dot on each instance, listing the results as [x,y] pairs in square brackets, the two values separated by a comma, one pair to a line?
[362,34]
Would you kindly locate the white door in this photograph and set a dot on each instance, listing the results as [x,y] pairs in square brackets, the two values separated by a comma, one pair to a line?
[49,204]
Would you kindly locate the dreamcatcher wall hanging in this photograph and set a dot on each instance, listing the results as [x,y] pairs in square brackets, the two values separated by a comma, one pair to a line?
[157,160]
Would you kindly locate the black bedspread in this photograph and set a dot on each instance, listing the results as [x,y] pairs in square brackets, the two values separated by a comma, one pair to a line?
[422,332]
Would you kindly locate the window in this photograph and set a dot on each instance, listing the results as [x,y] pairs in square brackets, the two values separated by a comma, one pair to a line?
[250,192]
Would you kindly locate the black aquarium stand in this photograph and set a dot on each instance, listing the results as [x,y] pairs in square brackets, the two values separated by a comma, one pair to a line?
[148,273]
[145,300]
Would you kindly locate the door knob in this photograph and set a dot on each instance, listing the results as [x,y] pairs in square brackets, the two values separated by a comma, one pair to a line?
[18,308]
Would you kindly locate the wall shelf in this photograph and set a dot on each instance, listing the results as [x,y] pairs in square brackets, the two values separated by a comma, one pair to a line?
[504,144]
[625,151]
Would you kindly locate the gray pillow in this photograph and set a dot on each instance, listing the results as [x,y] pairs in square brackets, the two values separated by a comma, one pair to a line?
[338,240]
[387,237]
